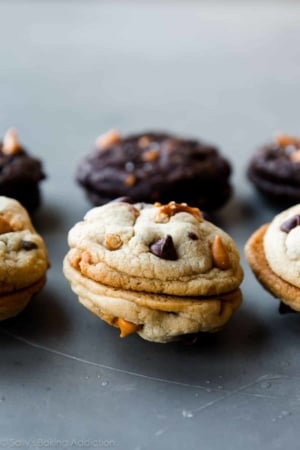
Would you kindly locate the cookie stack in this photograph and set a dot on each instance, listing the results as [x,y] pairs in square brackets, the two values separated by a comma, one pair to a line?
[273,253]
[161,271]
[23,258]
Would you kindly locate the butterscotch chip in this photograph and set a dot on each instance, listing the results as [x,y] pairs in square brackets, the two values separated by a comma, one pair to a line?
[112,241]
[11,144]
[220,254]
[284,140]
[150,156]
[108,139]
[86,258]
[130,180]
[144,141]
[164,212]
[126,327]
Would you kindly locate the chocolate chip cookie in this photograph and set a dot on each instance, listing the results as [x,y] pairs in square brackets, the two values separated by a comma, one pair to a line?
[23,258]
[274,170]
[273,253]
[161,271]
[153,167]
[20,173]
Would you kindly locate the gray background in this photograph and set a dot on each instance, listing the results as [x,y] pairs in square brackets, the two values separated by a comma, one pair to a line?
[226,72]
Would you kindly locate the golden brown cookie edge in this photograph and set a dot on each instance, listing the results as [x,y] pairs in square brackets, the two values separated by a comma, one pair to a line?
[12,304]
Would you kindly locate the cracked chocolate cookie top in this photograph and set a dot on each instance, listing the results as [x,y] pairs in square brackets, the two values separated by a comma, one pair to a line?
[153,166]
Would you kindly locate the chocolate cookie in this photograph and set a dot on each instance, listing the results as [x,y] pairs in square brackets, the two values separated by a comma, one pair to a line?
[153,167]
[161,271]
[274,170]
[20,173]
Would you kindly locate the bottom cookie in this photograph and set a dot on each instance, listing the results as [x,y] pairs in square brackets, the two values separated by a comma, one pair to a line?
[11,304]
[279,288]
[157,318]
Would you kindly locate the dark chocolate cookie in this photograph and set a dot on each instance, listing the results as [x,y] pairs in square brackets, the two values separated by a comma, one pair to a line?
[153,167]
[274,170]
[20,173]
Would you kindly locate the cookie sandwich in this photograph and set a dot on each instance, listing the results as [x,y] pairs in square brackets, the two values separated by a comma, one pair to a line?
[152,166]
[161,271]
[273,253]
[23,258]
[274,170]
[20,173]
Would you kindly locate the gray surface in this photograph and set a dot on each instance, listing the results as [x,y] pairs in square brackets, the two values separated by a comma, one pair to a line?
[225,72]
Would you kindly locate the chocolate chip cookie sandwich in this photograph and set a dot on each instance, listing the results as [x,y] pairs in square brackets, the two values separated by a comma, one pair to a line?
[161,271]
[23,258]
[152,167]
[273,253]
[274,170]
[20,173]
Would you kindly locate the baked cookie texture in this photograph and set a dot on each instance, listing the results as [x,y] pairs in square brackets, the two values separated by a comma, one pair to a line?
[23,258]
[153,166]
[20,173]
[161,271]
[274,170]
[273,253]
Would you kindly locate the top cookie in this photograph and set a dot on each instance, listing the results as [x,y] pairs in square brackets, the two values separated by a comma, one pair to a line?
[153,167]
[275,170]
[20,173]
[23,254]
[165,249]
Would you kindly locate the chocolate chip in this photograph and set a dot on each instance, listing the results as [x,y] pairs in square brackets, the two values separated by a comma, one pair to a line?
[129,166]
[29,245]
[290,223]
[164,248]
[193,236]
